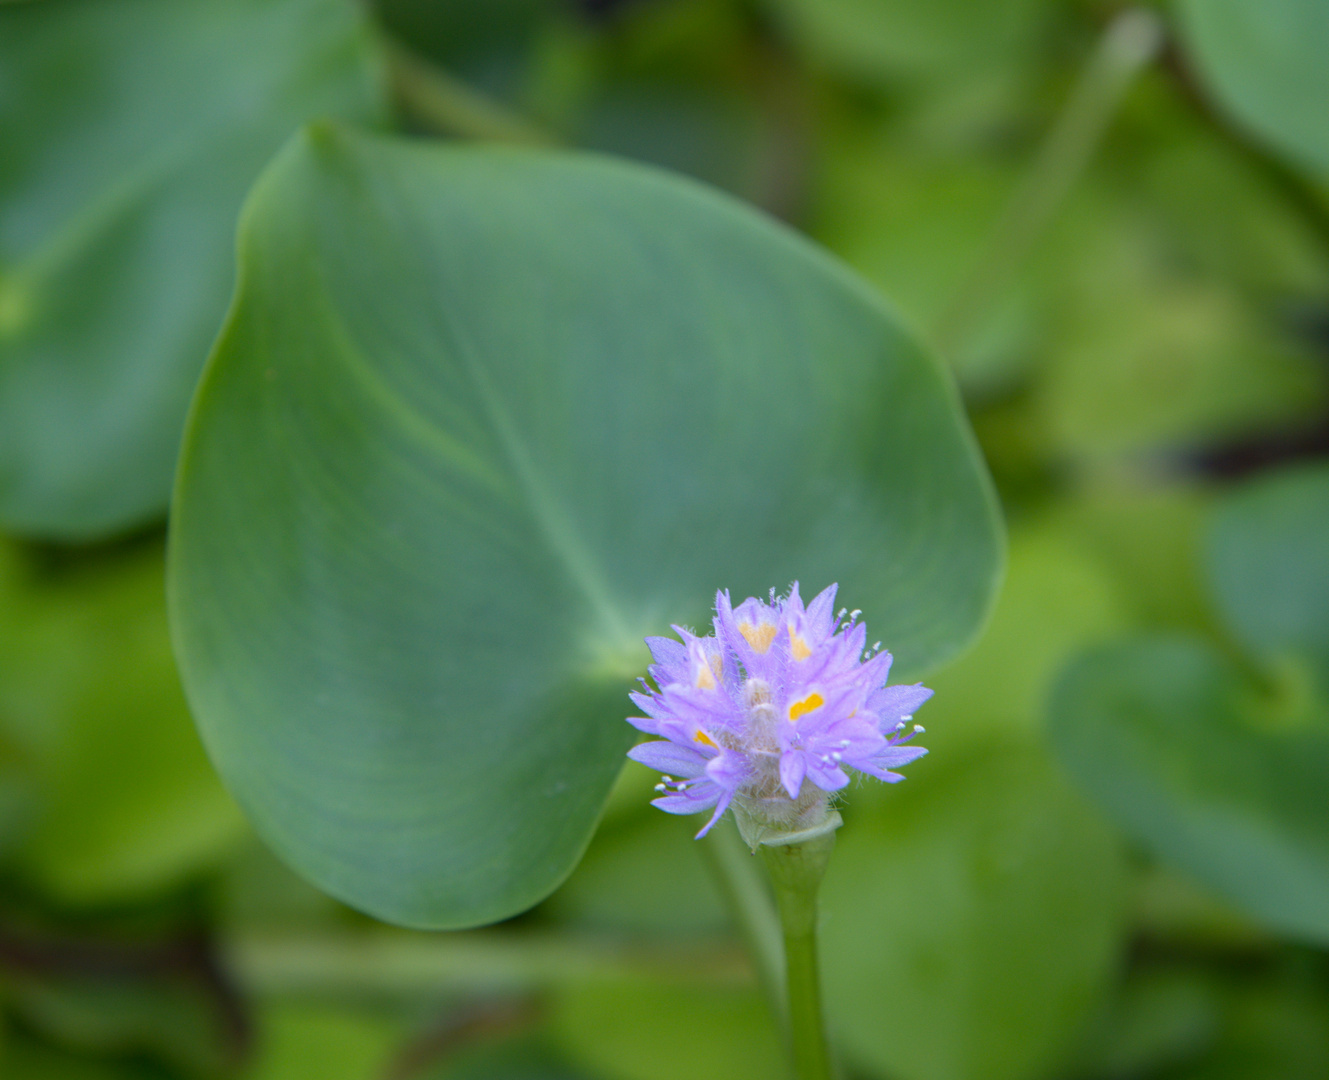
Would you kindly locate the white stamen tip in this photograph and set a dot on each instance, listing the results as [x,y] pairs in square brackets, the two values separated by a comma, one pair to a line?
[855,614]
[836,755]
[841,614]
[909,717]
[876,646]
[919,729]
[660,787]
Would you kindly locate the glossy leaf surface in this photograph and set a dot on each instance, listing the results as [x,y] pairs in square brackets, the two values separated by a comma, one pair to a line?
[132,131]
[1215,774]
[1264,61]
[479,421]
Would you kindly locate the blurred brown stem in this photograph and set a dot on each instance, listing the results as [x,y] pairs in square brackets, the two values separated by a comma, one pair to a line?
[485,961]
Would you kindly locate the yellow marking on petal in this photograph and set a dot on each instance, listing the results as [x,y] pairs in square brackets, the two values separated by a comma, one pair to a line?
[812,701]
[705,677]
[705,739]
[759,636]
[799,649]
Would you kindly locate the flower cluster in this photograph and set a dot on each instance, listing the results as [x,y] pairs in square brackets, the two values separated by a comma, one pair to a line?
[769,712]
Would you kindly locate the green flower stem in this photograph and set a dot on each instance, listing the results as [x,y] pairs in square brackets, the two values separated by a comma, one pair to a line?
[796,872]
[748,897]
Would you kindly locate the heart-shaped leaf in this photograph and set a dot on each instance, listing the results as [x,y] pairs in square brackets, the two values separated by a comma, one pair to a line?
[1166,734]
[1264,61]
[481,419]
[132,131]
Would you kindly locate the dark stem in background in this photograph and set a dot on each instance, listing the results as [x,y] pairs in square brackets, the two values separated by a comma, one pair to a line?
[1130,42]
[445,105]
[471,1025]
[185,960]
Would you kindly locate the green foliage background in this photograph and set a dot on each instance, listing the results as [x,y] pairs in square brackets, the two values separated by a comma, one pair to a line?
[1112,224]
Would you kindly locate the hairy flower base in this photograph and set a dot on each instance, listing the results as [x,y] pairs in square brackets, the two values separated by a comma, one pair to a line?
[768,713]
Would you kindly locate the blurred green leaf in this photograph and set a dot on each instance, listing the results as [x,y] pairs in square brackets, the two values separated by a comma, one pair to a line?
[162,1012]
[257,893]
[1202,766]
[125,802]
[683,84]
[1270,1030]
[132,131]
[479,421]
[915,224]
[519,1059]
[1057,598]
[1145,360]
[1269,561]
[876,39]
[1264,62]
[1147,539]
[1223,214]
[642,875]
[1161,1018]
[487,42]
[26,1058]
[972,916]
[301,1041]
[656,1030]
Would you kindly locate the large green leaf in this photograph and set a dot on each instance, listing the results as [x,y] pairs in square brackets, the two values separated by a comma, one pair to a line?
[480,419]
[972,917]
[131,132]
[1207,769]
[1264,61]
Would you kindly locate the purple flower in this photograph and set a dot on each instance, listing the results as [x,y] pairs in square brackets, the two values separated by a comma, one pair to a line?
[769,712]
